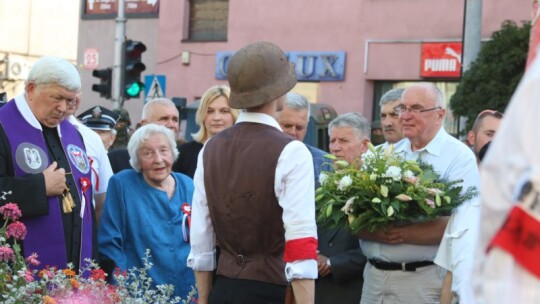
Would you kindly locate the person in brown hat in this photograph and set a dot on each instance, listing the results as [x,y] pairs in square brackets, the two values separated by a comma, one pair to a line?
[254,193]
[123,130]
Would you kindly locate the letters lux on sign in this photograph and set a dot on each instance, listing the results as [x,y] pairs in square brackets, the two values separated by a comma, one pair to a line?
[309,66]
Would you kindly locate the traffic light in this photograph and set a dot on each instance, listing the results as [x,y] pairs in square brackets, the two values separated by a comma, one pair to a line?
[132,68]
[105,82]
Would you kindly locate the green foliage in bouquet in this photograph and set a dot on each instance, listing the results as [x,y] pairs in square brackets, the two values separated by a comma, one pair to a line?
[385,190]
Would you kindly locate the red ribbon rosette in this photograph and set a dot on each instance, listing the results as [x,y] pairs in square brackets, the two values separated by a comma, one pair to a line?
[186,210]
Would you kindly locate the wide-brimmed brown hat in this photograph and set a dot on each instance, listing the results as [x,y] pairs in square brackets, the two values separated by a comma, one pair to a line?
[259,73]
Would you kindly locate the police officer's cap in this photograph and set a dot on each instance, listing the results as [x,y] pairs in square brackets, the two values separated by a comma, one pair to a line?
[99,118]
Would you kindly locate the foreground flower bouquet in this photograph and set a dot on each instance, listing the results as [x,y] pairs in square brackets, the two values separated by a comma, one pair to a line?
[20,284]
[384,190]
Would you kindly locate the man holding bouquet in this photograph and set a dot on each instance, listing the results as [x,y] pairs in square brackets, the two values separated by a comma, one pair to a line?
[402,259]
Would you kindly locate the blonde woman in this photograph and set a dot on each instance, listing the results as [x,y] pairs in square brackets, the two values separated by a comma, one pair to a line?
[213,116]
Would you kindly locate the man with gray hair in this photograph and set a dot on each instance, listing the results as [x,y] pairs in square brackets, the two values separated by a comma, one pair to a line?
[99,162]
[294,119]
[44,167]
[391,126]
[341,262]
[403,260]
[349,137]
[161,111]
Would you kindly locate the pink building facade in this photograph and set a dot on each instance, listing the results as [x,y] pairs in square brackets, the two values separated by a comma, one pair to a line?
[377,43]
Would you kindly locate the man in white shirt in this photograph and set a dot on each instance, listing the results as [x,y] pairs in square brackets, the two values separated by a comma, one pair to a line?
[99,161]
[391,126]
[254,190]
[401,260]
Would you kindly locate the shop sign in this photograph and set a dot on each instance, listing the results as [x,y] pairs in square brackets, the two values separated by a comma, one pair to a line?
[309,65]
[108,9]
[441,60]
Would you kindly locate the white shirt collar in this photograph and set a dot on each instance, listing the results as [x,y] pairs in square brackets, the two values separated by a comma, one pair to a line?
[24,108]
[258,118]
[434,146]
[26,112]
[74,121]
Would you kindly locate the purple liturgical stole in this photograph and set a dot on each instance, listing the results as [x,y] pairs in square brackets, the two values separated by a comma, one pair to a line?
[29,155]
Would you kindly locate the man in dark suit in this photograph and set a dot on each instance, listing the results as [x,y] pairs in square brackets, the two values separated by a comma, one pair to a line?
[340,260]
[341,267]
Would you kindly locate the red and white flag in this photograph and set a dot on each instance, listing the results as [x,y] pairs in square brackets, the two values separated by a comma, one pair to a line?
[509,271]
[534,40]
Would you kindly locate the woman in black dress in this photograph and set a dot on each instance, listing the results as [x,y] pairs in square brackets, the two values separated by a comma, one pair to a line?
[213,115]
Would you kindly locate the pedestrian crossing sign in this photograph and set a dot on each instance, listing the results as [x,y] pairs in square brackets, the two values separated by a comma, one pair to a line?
[154,86]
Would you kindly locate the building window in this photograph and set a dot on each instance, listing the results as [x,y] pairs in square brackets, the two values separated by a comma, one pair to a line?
[208,20]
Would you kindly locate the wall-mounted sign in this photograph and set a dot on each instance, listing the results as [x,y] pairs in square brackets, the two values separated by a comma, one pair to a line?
[310,66]
[91,59]
[104,9]
[441,60]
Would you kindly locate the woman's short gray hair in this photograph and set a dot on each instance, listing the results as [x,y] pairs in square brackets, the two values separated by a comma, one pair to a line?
[142,135]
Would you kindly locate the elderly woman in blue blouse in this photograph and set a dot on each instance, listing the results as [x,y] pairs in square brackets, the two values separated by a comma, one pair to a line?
[147,208]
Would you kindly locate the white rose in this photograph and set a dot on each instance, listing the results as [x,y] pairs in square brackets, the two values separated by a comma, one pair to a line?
[322,178]
[394,173]
[345,182]
[408,174]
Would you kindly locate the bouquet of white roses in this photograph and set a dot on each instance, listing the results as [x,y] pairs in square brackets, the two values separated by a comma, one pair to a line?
[385,189]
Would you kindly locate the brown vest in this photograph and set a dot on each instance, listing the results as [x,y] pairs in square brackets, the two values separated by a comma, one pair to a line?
[239,172]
